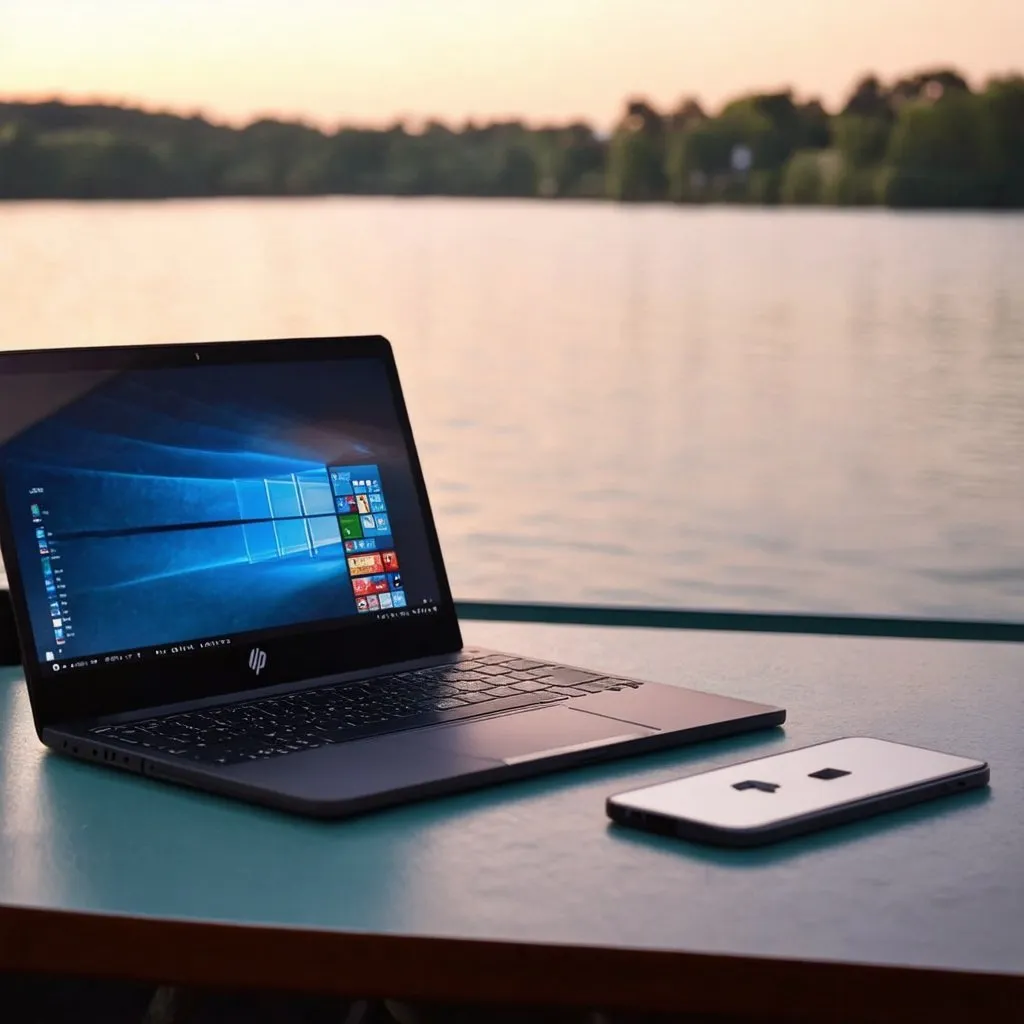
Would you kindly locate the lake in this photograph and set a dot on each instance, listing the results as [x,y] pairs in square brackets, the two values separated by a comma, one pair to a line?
[702,408]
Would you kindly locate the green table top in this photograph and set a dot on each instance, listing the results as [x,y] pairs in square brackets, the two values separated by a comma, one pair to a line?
[940,886]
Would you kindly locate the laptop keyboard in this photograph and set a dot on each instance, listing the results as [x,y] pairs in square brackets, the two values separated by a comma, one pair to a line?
[294,722]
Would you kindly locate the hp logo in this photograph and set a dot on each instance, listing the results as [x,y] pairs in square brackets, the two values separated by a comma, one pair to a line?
[257,660]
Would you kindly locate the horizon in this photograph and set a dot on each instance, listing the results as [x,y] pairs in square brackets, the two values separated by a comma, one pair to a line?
[413,124]
[543,62]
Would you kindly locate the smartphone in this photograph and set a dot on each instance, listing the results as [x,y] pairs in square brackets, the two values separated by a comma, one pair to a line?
[788,794]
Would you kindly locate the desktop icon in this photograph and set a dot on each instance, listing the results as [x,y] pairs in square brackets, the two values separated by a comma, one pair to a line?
[395,579]
[390,561]
[385,600]
[372,602]
[362,503]
[398,599]
[49,655]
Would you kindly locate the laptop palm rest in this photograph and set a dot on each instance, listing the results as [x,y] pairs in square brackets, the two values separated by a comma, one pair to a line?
[545,732]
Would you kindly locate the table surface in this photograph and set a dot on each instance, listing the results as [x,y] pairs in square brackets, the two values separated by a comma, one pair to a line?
[938,887]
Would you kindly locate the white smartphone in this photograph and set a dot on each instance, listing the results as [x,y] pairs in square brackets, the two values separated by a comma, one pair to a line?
[783,795]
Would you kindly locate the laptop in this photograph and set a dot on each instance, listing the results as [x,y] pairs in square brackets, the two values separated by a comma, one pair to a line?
[225,574]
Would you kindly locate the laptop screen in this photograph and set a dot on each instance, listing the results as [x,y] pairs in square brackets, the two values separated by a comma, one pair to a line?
[163,512]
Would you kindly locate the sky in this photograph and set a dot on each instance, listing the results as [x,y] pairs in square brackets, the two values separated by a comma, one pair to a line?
[372,61]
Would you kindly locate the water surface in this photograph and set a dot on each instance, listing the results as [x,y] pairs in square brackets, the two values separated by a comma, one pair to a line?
[750,409]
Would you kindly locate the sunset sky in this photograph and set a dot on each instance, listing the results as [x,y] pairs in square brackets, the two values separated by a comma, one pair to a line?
[369,61]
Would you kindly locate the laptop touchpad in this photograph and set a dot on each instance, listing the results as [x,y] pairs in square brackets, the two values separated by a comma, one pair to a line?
[529,735]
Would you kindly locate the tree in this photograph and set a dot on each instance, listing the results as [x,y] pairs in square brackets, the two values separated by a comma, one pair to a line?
[98,165]
[861,140]
[27,169]
[357,162]
[635,168]
[868,99]
[636,157]
[518,174]
[925,141]
[815,126]
[271,157]
[683,182]
[687,115]
[928,85]
[943,153]
[779,126]
[1004,101]
[802,180]
[768,125]
[571,162]
[708,148]
[721,157]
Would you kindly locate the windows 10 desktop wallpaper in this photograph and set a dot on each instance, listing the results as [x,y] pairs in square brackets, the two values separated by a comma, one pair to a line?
[159,507]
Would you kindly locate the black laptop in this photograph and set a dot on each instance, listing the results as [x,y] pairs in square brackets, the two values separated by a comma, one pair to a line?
[225,574]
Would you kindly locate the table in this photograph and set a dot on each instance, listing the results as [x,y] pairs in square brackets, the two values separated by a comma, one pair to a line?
[523,893]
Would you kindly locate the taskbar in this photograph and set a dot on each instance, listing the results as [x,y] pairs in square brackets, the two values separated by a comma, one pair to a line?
[190,647]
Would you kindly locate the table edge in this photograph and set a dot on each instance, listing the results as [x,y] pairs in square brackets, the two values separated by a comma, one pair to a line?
[432,969]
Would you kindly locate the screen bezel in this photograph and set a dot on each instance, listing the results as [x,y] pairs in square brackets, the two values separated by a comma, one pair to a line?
[308,651]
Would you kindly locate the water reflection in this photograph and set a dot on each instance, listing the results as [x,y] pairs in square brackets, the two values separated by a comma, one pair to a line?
[750,409]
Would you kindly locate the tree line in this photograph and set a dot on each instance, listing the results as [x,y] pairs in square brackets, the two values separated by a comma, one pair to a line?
[925,140]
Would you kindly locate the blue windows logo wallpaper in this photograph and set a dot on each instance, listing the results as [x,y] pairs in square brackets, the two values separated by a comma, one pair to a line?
[165,506]
[287,515]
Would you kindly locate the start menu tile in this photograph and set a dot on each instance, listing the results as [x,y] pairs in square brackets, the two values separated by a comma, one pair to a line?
[366,533]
